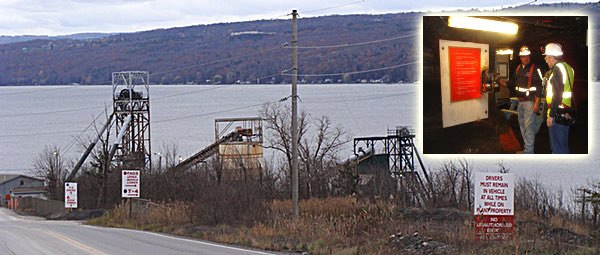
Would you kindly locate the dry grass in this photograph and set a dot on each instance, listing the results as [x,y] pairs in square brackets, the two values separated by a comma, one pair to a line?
[349,226]
[560,221]
[149,216]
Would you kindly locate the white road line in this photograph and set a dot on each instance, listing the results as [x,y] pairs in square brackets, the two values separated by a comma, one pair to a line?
[183,239]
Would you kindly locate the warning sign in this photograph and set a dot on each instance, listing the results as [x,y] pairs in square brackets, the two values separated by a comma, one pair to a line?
[494,194]
[465,73]
[130,183]
[489,227]
[494,205]
[70,195]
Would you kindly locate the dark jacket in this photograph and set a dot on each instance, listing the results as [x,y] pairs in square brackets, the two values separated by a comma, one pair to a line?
[521,78]
[558,87]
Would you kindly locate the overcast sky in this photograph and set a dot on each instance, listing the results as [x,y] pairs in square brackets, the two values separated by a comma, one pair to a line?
[60,17]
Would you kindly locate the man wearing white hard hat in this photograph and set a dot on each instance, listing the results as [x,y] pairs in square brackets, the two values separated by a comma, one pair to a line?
[527,87]
[561,111]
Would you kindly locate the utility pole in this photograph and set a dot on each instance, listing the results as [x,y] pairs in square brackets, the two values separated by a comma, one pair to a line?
[583,192]
[295,204]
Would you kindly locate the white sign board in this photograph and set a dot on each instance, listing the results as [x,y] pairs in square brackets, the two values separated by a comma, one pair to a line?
[456,112]
[130,183]
[494,193]
[70,195]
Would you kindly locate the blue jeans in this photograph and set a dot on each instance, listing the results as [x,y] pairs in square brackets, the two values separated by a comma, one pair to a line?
[559,139]
[527,124]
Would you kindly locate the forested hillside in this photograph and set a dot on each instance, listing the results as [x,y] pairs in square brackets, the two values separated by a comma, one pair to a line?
[243,52]
[225,53]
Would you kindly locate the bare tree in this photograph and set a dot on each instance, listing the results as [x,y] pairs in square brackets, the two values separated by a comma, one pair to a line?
[532,195]
[168,157]
[452,185]
[586,203]
[50,166]
[503,169]
[318,148]
[171,154]
[319,152]
[278,123]
[103,168]
[96,180]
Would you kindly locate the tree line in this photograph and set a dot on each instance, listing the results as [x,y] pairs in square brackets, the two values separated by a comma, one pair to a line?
[198,54]
[239,193]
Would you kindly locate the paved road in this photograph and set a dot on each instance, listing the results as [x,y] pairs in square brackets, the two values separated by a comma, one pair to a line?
[32,235]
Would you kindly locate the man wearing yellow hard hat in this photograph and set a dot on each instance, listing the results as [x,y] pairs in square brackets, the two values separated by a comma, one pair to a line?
[561,111]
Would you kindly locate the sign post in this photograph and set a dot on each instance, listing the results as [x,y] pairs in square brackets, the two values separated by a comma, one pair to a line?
[130,183]
[70,195]
[130,186]
[494,206]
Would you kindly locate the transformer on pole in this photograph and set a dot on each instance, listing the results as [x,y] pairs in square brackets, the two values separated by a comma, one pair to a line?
[131,97]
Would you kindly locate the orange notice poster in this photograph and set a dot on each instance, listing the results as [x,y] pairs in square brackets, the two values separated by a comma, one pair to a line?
[465,73]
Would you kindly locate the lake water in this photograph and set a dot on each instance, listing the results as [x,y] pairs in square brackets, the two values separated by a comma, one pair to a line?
[32,117]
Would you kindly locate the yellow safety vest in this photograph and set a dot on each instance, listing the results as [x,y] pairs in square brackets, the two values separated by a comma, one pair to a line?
[568,76]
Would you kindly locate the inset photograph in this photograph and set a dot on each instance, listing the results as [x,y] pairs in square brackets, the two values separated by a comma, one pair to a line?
[505,84]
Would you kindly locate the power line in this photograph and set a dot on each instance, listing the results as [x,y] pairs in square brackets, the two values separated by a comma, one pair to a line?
[15,169]
[586,7]
[43,133]
[207,114]
[55,132]
[268,76]
[91,108]
[210,62]
[322,9]
[361,99]
[218,61]
[351,112]
[334,7]
[189,93]
[217,112]
[36,91]
[46,113]
[354,44]
[508,7]
[356,72]
[78,136]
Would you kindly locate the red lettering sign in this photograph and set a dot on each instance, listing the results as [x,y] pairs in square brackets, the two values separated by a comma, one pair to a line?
[130,184]
[465,73]
[494,227]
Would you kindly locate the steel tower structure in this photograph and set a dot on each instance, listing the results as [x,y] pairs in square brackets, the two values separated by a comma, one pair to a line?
[131,109]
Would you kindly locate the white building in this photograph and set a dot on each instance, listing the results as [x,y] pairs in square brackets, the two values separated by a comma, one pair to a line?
[20,186]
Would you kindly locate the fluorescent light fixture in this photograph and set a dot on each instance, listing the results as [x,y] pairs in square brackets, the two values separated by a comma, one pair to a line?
[483,24]
[504,52]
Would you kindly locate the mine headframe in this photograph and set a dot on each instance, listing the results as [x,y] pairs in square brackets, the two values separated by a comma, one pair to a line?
[131,109]
[380,159]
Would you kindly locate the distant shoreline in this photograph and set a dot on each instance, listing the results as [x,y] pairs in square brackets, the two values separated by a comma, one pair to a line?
[233,84]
